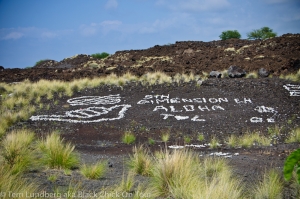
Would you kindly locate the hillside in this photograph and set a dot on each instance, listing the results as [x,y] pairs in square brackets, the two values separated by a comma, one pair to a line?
[280,55]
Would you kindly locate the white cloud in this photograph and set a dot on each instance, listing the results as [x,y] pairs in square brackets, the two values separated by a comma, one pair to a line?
[88,30]
[111,4]
[48,34]
[13,35]
[194,5]
[104,26]
[31,32]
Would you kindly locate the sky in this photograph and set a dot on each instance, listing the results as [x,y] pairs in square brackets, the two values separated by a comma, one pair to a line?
[33,30]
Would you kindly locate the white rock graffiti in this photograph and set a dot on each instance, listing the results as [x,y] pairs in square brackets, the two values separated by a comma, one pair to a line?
[264,109]
[96,100]
[90,114]
[293,89]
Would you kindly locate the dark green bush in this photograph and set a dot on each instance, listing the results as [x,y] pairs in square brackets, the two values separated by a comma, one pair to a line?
[229,34]
[100,55]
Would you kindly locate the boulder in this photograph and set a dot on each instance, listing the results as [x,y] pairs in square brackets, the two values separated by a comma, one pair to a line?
[215,74]
[1,68]
[262,72]
[236,72]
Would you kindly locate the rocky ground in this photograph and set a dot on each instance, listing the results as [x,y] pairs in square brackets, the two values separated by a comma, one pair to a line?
[95,119]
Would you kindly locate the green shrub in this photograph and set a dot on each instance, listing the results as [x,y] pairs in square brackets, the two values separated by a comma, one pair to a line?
[263,33]
[100,55]
[229,34]
[95,171]
[56,154]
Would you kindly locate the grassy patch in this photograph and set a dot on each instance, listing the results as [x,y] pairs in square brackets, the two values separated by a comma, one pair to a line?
[294,136]
[57,154]
[14,184]
[128,138]
[180,174]
[250,139]
[292,77]
[17,151]
[214,142]
[270,187]
[140,162]
[200,137]
[94,171]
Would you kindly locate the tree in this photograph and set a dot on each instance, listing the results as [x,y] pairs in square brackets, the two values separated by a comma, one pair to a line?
[229,34]
[263,33]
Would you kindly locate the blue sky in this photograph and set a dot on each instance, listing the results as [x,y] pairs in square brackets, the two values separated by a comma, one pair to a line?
[31,30]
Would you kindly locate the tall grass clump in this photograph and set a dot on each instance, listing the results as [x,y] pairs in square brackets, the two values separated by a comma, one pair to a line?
[175,174]
[140,162]
[10,183]
[214,142]
[94,171]
[270,187]
[128,138]
[17,151]
[181,174]
[57,154]
[294,136]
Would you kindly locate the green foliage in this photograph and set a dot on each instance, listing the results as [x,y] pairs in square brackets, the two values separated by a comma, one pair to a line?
[263,33]
[100,55]
[128,138]
[230,34]
[200,137]
[151,141]
[95,171]
[292,161]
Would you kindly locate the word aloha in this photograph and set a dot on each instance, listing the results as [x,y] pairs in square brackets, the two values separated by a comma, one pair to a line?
[90,114]
[159,99]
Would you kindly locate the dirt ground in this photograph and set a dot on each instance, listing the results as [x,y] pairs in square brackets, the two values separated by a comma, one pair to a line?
[95,119]
[219,107]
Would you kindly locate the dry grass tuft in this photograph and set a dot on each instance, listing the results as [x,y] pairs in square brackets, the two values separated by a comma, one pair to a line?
[140,162]
[94,171]
[17,151]
[57,154]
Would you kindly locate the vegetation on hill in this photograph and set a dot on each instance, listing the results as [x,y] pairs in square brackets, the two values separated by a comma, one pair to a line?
[230,34]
